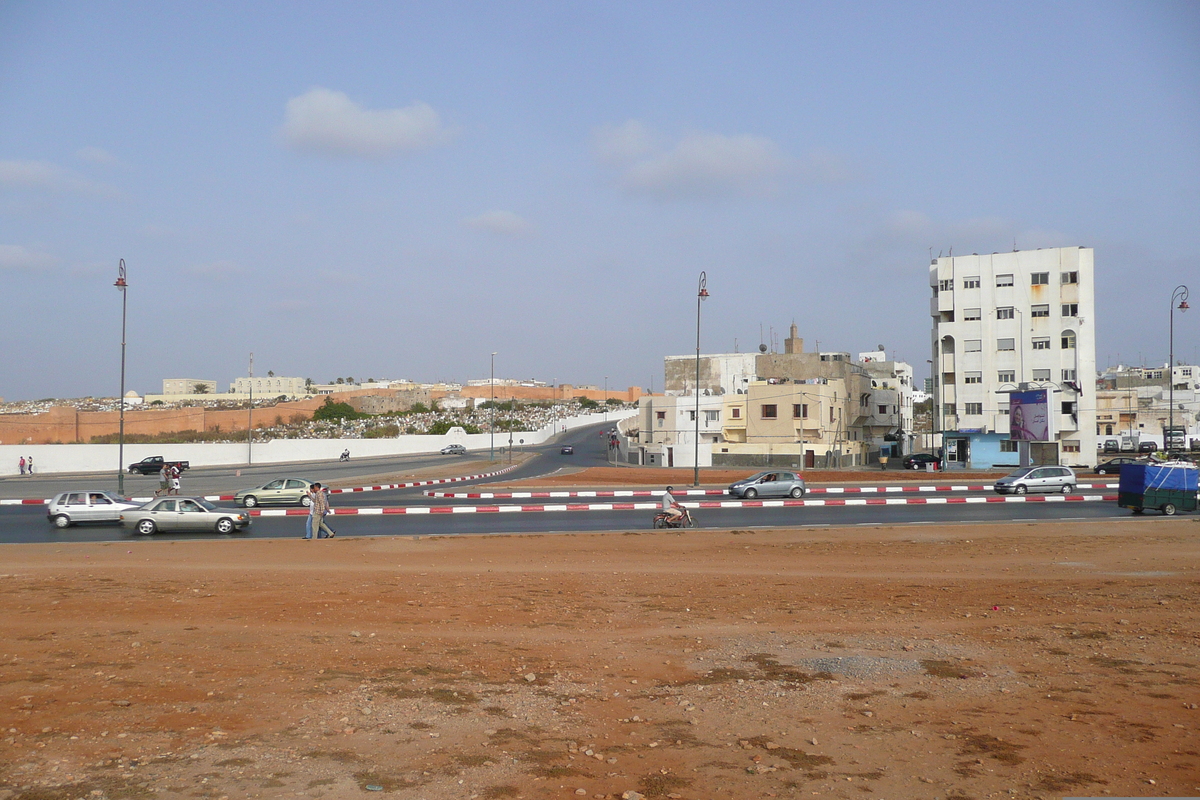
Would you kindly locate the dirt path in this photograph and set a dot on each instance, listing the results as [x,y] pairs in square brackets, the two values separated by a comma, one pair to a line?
[1014,660]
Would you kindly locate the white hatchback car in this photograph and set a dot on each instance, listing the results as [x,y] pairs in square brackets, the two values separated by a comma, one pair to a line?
[1037,479]
[93,505]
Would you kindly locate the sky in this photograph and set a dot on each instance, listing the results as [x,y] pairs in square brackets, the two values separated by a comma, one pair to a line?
[399,190]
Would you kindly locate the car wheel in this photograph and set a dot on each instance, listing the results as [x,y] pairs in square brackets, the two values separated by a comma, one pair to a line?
[146,527]
[305,501]
[797,491]
[1101,471]
[750,494]
[224,525]
[1020,490]
[1068,489]
[1169,509]
[62,521]
[249,501]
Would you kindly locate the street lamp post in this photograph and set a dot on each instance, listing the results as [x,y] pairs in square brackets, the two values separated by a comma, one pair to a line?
[122,286]
[1180,294]
[250,416]
[492,423]
[701,293]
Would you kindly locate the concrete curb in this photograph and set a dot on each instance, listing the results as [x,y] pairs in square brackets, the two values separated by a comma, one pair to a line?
[721,492]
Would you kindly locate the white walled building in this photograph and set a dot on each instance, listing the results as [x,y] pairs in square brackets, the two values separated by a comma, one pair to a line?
[889,425]
[1009,321]
[270,386]
[173,386]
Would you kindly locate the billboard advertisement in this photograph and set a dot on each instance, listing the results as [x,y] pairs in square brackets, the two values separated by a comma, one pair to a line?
[1029,416]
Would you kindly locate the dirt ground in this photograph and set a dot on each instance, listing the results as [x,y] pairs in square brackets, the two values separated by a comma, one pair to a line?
[1009,660]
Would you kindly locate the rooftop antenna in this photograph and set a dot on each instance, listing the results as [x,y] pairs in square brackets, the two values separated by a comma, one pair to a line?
[735,345]
[1014,244]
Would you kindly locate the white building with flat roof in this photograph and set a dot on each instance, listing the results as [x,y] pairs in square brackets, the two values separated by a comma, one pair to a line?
[1008,322]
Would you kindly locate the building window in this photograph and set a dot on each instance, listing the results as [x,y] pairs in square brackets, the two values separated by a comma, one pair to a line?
[712,416]
[1068,340]
[1068,407]
[1004,280]
[1041,343]
[692,415]
[799,411]
[950,409]
[1006,376]
[831,413]
[1070,309]
[882,410]
[1070,277]
[973,408]
[1005,312]
[973,377]
[1041,374]
[972,345]
[1186,372]
[770,411]
[1003,409]
[735,412]
[946,286]
[1006,344]
[1070,447]
[971,283]
[1039,279]
[661,416]
[1068,374]
[1008,446]
[972,313]
[1039,311]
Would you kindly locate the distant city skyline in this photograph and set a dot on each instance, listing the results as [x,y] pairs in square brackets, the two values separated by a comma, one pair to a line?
[405,189]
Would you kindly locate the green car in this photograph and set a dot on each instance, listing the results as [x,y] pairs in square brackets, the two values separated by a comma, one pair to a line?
[281,491]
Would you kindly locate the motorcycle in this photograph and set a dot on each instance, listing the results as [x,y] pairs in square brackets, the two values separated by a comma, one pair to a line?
[662,520]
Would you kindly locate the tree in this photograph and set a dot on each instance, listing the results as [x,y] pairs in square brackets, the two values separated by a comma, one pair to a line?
[308,383]
[332,411]
[200,388]
[339,380]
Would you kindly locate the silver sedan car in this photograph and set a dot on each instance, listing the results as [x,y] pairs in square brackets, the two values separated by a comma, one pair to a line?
[283,491]
[94,505]
[778,483]
[184,514]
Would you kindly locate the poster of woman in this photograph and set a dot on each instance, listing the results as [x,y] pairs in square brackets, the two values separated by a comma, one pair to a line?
[1029,416]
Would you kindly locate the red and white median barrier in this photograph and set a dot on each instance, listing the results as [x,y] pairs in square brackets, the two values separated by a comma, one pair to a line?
[711,492]
[382,487]
[552,507]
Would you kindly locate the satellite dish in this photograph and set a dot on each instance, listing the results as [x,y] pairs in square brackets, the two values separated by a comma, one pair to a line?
[762,348]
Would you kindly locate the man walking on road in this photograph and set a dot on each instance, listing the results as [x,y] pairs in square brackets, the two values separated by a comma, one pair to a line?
[317,509]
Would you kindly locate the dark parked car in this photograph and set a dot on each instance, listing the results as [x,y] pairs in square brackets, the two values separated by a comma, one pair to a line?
[918,460]
[1147,447]
[567,450]
[1112,446]
[1114,467]
[152,464]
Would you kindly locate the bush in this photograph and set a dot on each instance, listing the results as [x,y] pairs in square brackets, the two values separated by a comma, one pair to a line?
[443,426]
[331,412]
[587,403]
[382,432]
[418,408]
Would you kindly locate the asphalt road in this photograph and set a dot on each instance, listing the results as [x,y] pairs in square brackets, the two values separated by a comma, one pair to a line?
[29,523]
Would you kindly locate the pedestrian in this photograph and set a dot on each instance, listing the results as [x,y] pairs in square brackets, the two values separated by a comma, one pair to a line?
[164,481]
[317,510]
[176,472]
[29,464]
[22,464]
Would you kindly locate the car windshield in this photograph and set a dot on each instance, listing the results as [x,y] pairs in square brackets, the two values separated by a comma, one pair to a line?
[1021,473]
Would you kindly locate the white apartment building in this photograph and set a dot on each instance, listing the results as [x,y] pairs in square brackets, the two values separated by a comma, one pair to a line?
[173,386]
[889,424]
[1009,322]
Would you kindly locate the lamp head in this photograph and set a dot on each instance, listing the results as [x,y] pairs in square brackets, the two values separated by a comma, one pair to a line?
[1183,305]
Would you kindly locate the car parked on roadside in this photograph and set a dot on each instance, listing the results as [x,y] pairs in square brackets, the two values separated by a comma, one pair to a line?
[281,491]
[1112,446]
[778,483]
[918,460]
[95,505]
[454,450]
[1113,467]
[1147,447]
[1037,479]
[184,514]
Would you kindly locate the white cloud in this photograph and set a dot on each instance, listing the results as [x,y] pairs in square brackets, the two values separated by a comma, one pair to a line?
[16,257]
[699,164]
[619,145]
[97,155]
[505,223]
[326,121]
[46,175]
